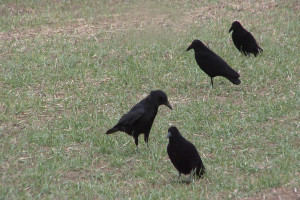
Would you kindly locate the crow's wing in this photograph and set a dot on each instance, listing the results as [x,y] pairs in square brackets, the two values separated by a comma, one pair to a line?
[217,65]
[237,41]
[249,42]
[132,116]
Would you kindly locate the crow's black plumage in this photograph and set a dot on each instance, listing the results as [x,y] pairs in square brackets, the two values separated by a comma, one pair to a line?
[140,118]
[184,154]
[212,64]
[243,40]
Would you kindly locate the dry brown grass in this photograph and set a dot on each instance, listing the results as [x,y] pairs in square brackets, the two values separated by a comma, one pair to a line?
[283,193]
[138,17]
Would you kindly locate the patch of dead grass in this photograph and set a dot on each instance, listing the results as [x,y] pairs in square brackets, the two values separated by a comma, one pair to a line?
[16,9]
[138,17]
[284,193]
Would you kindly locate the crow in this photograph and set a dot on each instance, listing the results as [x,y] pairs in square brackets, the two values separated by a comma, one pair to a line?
[184,154]
[244,40]
[140,118]
[212,64]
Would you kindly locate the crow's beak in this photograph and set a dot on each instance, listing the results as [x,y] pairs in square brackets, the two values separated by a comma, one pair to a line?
[230,29]
[190,47]
[169,105]
[169,135]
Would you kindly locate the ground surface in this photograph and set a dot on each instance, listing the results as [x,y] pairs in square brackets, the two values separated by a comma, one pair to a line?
[70,69]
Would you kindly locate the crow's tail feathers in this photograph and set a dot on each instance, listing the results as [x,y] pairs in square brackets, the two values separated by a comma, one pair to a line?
[235,81]
[112,130]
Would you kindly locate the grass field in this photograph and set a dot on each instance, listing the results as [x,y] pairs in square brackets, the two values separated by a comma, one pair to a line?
[70,69]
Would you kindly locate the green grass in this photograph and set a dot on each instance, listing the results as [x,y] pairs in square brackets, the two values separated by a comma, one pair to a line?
[70,70]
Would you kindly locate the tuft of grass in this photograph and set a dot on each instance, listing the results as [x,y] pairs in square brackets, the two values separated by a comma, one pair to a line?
[71,69]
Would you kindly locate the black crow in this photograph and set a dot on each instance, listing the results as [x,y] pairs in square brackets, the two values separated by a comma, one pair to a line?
[184,154]
[244,40]
[140,118]
[212,64]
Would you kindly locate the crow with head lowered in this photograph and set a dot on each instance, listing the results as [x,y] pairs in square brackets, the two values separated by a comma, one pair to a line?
[244,40]
[184,154]
[212,64]
[140,118]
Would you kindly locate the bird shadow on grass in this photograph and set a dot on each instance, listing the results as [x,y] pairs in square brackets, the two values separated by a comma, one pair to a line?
[127,150]
[208,88]
[205,180]
[138,151]
[186,182]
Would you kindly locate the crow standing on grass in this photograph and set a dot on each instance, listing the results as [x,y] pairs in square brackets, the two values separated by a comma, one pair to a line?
[140,118]
[184,154]
[212,64]
[244,40]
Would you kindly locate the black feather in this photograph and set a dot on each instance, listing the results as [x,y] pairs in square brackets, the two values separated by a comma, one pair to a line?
[140,118]
[243,40]
[212,64]
[183,154]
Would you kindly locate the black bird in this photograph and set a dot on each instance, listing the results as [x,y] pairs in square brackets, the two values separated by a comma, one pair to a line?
[184,154]
[243,40]
[212,64]
[140,118]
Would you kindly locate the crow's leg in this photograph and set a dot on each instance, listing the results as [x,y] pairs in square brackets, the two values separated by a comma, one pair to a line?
[146,137]
[212,82]
[192,175]
[136,140]
[179,175]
